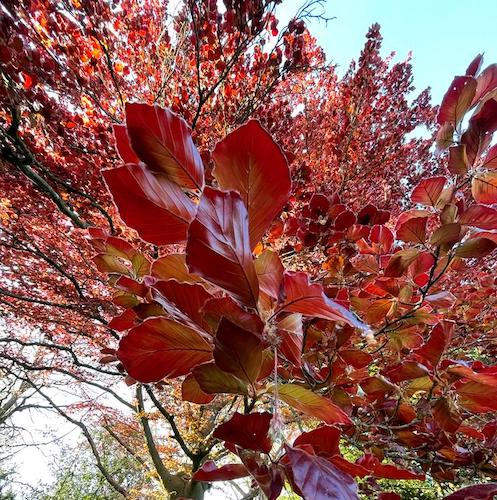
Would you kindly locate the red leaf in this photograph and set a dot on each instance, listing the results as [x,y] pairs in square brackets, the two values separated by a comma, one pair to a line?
[386,471]
[382,238]
[457,100]
[290,332]
[225,307]
[218,246]
[209,472]
[438,342]
[157,208]
[269,271]
[389,495]
[238,351]
[312,404]
[183,301]
[481,127]
[475,65]
[490,160]
[407,370]
[27,81]
[310,300]
[250,162]
[163,141]
[270,479]
[443,299]
[123,146]
[191,391]
[428,191]
[480,216]
[446,235]
[173,266]
[324,440]
[458,159]
[317,478]
[413,230]
[486,82]
[446,418]
[160,348]
[400,261]
[475,492]
[212,380]
[484,187]
[475,248]
[247,431]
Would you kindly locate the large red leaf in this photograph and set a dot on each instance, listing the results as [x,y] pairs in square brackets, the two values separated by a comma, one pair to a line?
[310,300]
[250,162]
[457,100]
[209,472]
[440,338]
[217,308]
[479,132]
[486,82]
[428,191]
[123,146]
[477,397]
[324,440]
[475,492]
[445,416]
[407,370]
[238,351]
[160,348]
[490,160]
[212,380]
[484,187]
[191,391]
[247,431]
[183,301]
[163,141]
[400,261]
[480,216]
[173,266]
[270,479]
[413,230]
[157,208]
[475,248]
[218,247]
[291,335]
[317,478]
[475,65]
[312,404]
[269,271]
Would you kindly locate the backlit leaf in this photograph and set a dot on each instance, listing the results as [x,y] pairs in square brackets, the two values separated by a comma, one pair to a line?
[250,162]
[162,140]
[218,247]
[161,348]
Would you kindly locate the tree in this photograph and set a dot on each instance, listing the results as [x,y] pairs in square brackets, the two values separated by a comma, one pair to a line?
[68,73]
[77,479]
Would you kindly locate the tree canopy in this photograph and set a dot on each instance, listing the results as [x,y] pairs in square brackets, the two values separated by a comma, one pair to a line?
[229,262]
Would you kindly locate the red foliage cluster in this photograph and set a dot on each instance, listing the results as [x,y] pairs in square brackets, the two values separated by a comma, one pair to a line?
[402,388]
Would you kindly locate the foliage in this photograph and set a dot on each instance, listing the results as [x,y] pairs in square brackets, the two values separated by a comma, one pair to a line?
[240,324]
[77,479]
[269,300]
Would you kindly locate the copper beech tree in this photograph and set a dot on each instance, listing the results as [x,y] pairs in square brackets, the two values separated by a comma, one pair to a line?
[393,379]
[268,314]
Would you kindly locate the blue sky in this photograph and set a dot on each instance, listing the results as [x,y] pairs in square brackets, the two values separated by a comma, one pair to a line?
[443,35]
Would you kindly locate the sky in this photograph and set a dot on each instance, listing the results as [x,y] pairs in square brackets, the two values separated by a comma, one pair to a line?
[443,35]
